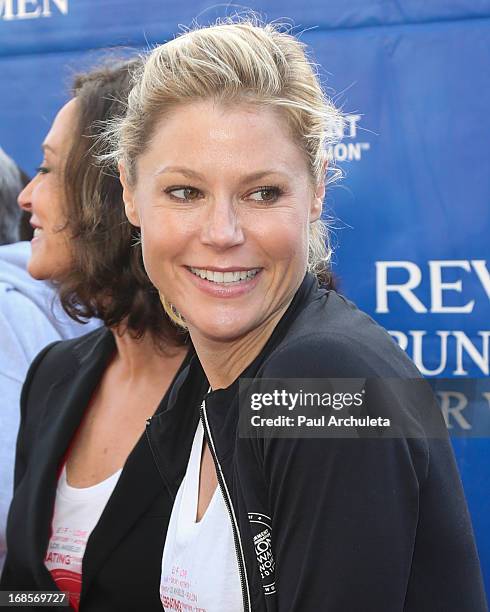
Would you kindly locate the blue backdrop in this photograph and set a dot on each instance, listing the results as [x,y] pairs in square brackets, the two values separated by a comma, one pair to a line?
[412,215]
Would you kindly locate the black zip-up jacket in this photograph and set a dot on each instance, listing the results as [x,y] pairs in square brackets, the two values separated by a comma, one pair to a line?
[122,559]
[330,525]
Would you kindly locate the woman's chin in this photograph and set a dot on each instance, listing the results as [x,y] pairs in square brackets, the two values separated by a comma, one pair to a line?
[36,270]
[40,269]
[219,328]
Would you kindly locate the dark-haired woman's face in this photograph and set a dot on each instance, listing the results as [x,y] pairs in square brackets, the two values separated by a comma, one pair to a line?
[224,200]
[43,198]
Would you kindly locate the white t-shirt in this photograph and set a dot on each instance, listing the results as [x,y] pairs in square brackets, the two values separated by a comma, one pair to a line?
[76,513]
[199,565]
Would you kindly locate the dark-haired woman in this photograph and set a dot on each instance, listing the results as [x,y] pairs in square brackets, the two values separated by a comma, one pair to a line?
[89,509]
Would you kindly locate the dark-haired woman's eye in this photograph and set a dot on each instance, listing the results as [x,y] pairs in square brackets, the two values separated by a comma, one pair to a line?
[265,194]
[185,194]
[42,170]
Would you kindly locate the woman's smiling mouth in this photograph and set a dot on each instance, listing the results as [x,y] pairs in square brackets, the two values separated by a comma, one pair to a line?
[226,277]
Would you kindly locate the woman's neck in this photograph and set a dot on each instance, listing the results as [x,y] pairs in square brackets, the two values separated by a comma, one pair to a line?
[141,358]
[224,361]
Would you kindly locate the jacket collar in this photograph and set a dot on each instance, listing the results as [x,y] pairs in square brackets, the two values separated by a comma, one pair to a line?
[171,431]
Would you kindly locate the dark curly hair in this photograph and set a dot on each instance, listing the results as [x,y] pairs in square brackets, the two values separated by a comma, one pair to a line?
[107,279]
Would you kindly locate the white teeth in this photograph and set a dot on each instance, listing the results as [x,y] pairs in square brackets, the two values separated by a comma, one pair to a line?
[225,277]
[37,232]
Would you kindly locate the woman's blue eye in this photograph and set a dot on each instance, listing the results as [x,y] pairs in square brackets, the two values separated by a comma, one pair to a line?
[265,194]
[187,194]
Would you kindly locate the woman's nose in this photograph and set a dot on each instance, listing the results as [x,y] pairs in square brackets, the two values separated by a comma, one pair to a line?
[24,197]
[222,228]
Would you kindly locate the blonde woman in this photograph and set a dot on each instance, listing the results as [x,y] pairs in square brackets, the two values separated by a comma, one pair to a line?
[222,158]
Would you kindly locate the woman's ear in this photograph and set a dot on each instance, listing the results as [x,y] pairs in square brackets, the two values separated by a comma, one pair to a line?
[128,197]
[318,196]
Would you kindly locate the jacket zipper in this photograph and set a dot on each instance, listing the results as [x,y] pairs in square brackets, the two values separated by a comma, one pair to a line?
[231,512]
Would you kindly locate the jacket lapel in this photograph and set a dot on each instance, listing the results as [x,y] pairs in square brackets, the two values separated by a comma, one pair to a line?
[136,489]
[63,407]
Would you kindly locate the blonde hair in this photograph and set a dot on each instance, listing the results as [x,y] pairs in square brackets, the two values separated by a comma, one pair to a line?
[230,62]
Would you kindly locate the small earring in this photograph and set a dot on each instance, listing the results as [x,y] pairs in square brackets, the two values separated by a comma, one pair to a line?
[172,312]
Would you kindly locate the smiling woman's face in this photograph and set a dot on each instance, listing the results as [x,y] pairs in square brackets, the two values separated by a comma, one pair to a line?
[43,198]
[224,200]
